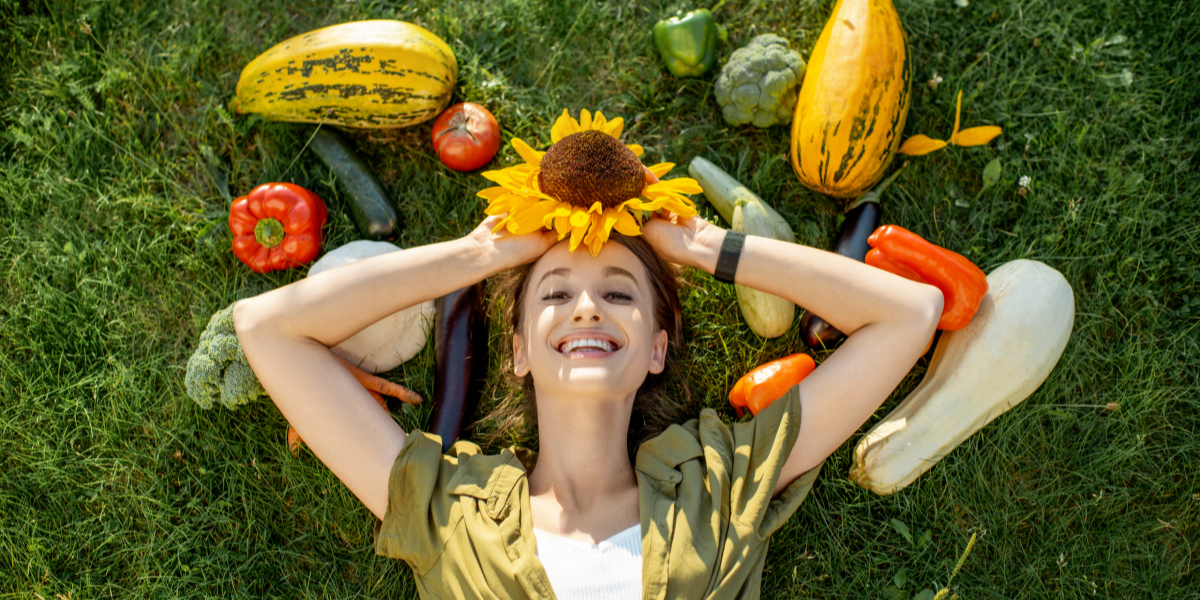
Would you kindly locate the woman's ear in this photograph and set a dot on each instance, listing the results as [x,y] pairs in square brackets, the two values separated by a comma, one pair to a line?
[520,364]
[658,359]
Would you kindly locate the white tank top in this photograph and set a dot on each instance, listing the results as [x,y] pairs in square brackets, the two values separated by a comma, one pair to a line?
[610,570]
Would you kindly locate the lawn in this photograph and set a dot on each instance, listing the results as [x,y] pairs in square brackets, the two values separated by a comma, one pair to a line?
[115,251]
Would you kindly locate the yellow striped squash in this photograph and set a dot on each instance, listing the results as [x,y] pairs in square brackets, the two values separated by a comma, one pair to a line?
[854,99]
[361,74]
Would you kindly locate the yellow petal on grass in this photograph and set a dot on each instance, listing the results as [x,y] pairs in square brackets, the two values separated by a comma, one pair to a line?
[564,126]
[920,144]
[977,136]
[957,114]
[635,149]
[585,120]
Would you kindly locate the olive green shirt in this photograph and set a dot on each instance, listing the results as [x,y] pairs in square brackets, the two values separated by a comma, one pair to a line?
[462,520]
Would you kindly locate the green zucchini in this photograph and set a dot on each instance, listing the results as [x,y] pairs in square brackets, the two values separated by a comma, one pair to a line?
[724,192]
[369,206]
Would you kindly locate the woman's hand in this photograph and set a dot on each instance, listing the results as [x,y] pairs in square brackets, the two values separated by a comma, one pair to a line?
[506,249]
[690,241]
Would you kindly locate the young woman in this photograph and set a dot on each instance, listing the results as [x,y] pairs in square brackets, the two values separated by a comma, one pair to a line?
[691,514]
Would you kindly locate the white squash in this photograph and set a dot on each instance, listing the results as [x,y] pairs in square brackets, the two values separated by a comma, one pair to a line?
[390,341]
[976,374]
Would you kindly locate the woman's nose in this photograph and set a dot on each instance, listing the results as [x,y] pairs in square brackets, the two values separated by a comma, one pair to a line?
[586,310]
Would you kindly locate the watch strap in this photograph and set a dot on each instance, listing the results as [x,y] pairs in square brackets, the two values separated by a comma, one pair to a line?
[731,251]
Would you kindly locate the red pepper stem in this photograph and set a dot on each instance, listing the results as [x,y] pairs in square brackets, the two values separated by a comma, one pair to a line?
[268,232]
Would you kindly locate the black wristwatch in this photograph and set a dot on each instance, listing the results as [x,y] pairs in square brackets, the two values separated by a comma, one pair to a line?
[731,251]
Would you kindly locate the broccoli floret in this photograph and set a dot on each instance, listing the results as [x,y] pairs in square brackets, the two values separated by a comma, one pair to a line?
[218,370]
[758,84]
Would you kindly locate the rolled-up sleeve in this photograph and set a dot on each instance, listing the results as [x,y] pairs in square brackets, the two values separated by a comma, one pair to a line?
[756,451]
[418,519]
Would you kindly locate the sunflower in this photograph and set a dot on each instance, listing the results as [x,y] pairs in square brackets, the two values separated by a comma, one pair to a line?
[586,184]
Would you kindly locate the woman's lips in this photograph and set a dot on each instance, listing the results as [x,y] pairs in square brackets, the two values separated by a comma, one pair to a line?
[588,345]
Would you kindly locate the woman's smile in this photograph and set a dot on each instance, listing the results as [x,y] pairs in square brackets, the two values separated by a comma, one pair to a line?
[588,344]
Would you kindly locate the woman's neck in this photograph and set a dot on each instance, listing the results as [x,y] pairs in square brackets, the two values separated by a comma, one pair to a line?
[583,485]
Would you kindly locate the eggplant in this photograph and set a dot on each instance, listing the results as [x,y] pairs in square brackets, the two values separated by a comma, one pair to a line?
[851,241]
[461,356]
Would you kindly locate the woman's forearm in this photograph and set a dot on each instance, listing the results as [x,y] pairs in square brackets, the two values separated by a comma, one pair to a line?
[846,293]
[332,306]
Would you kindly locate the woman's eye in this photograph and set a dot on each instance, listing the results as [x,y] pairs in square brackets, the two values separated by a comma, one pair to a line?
[620,297]
[555,296]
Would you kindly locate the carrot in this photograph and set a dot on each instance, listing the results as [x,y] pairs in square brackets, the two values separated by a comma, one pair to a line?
[381,385]
[294,441]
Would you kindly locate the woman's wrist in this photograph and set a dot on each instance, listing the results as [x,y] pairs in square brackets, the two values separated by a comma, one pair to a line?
[706,248]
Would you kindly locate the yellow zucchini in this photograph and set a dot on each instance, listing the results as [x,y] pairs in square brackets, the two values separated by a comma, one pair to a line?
[854,100]
[976,374]
[361,74]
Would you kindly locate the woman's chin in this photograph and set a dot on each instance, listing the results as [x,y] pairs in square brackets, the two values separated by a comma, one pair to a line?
[592,381]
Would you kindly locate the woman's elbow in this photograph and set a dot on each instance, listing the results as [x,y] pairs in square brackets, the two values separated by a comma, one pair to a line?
[927,309]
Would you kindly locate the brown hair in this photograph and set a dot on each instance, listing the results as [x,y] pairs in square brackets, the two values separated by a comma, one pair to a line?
[654,408]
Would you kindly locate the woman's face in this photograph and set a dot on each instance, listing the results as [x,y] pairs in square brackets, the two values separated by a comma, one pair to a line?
[588,329]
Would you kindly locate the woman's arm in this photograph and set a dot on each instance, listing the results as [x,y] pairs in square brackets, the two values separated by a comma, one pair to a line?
[888,320]
[286,334]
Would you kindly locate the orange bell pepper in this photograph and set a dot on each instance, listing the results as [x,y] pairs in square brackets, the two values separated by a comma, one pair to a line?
[904,253]
[760,387]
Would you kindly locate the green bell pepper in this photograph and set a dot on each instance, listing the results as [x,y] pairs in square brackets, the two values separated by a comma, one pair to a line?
[688,44]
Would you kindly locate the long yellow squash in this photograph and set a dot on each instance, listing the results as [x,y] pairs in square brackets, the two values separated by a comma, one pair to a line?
[854,99]
[361,74]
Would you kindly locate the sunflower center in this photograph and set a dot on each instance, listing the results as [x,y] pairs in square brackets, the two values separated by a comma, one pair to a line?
[591,166]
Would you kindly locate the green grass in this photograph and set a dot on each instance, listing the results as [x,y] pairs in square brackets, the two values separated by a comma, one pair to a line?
[114,252]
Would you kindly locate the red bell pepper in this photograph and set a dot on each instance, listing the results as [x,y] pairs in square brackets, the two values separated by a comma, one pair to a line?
[277,226]
[760,387]
[963,285]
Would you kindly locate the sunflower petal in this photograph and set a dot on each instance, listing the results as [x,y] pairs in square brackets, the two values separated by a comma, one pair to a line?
[562,225]
[596,208]
[530,155]
[977,136]
[680,185]
[626,224]
[662,169]
[615,127]
[530,219]
[598,121]
[564,126]
[492,193]
[585,120]
[920,144]
[578,231]
[635,149]
[579,218]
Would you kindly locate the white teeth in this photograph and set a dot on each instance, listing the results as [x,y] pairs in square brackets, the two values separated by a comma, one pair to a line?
[588,343]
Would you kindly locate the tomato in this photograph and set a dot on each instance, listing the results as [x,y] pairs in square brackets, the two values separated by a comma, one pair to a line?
[466,136]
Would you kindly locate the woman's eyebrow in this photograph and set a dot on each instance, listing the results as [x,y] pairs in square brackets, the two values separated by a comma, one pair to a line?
[561,272]
[611,271]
